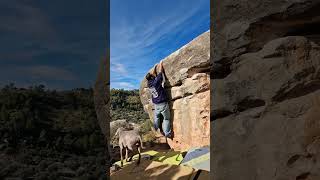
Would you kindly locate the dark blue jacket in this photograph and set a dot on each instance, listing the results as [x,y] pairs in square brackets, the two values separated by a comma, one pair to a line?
[156,89]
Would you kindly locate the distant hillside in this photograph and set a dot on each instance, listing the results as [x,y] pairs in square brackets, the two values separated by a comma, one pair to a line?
[44,132]
[64,120]
[126,104]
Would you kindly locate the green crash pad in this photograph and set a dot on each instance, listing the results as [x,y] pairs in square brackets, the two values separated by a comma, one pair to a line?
[152,170]
[170,157]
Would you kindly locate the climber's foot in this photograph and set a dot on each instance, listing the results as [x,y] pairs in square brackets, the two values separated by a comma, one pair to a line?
[170,136]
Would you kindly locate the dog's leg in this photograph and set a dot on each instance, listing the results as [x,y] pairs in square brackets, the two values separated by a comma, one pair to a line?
[139,156]
[131,157]
[131,149]
[121,156]
[126,154]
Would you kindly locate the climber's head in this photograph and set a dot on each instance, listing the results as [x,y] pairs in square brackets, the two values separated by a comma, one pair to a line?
[149,76]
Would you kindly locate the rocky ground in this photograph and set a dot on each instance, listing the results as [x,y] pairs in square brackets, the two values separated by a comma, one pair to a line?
[46,164]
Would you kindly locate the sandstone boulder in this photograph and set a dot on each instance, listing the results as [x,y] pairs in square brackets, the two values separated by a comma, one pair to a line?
[265,90]
[101,97]
[188,87]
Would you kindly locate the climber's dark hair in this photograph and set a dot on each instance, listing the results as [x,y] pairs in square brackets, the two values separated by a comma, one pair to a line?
[149,77]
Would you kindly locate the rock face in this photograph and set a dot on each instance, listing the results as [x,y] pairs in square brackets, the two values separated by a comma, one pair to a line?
[102,97]
[102,101]
[265,78]
[188,86]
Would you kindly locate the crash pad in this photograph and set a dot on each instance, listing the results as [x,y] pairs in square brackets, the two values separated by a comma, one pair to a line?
[198,158]
[153,170]
[167,157]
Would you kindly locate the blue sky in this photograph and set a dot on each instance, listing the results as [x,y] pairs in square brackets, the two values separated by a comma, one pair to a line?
[142,32]
[56,43]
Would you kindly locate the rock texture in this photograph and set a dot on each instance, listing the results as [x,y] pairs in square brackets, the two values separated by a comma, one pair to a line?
[102,101]
[265,80]
[188,86]
[102,96]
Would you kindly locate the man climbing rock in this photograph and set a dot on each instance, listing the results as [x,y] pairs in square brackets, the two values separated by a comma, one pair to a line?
[160,101]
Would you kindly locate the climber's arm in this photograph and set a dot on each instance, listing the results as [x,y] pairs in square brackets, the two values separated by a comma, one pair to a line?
[154,70]
[159,77]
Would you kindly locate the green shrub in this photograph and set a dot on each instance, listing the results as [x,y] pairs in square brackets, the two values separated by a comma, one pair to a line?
[145,127]
[149,136]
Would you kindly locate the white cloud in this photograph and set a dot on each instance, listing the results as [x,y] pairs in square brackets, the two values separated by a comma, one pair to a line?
[123,85]
[130,38]
[118,68]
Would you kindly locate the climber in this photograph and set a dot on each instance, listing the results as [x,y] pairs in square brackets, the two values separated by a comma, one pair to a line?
[160,100]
